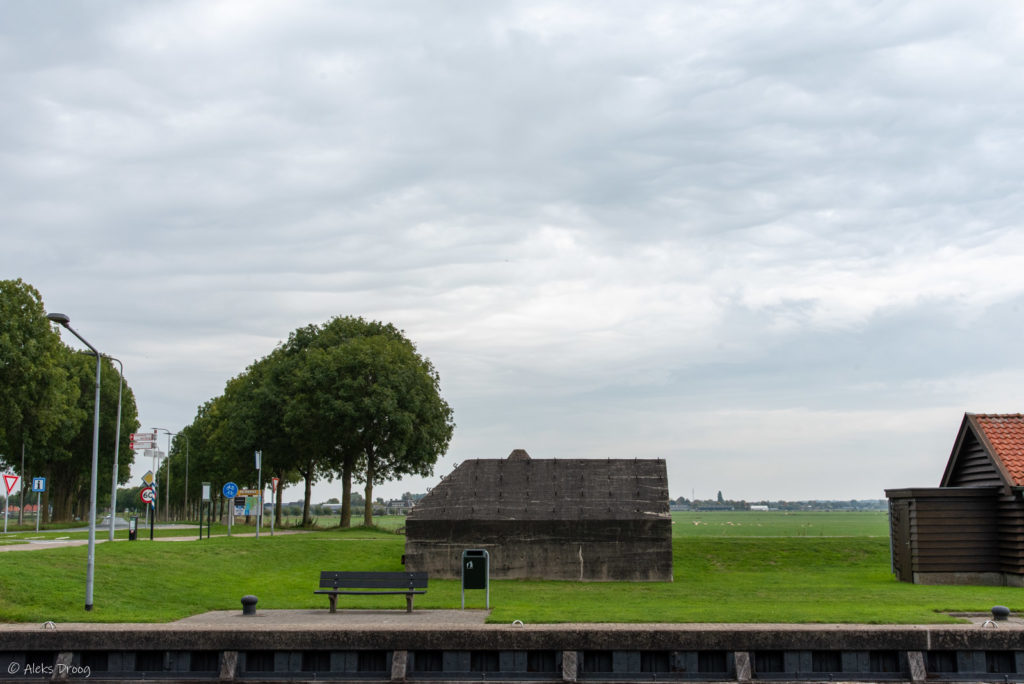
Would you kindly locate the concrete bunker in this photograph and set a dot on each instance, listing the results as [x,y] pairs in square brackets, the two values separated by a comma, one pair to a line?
[566,519]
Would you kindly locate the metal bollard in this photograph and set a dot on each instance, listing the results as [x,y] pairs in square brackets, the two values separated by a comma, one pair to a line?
[249,604]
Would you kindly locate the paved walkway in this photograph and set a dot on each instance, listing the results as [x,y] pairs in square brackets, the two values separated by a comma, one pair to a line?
[464,620]
[36,544]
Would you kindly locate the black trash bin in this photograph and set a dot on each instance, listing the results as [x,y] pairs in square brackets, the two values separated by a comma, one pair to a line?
[133,528]
[475,573]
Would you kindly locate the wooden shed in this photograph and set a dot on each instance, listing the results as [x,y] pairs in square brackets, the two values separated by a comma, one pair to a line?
[969,529]
[567,519]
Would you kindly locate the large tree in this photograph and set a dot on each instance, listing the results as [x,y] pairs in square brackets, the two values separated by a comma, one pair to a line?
[36,392]
[372,401]
[350,399]
[68,459]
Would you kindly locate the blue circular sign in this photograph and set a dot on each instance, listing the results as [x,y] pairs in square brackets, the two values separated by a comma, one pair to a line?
[229,490]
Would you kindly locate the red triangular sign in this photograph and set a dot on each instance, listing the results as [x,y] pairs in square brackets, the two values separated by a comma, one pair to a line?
[11,481]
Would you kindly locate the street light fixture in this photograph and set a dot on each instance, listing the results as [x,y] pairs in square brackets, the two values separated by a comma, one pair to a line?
[64,320]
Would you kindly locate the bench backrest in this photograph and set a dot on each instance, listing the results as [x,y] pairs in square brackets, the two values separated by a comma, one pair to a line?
[373,580]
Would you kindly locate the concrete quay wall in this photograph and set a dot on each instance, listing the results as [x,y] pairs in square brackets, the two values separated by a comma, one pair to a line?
[260,650]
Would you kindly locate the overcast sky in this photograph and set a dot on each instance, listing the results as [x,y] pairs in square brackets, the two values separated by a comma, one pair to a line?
[777,244]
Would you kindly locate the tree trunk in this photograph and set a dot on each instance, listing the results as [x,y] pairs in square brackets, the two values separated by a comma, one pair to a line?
[308,476]
[368,505]
[277,503]
[347,464]
[368,493]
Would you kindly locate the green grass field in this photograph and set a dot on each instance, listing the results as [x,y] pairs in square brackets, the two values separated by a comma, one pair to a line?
[794,577]
[780,524]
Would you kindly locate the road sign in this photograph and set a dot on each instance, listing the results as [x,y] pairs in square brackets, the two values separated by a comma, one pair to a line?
[248,492]
[273,484]
[229,490]
[11,481]
[133,445]
[142,436]
[148,477]
[38,484]
[148,495]
[259,458]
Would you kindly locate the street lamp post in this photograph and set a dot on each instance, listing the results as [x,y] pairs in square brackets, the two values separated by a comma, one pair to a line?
[65,321]
[168,483]
[117,447]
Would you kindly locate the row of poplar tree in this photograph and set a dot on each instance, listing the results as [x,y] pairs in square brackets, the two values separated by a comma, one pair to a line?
[349,400]
[47,394]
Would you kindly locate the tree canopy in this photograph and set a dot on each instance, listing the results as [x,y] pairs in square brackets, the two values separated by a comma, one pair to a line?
[46,406]
[348,399]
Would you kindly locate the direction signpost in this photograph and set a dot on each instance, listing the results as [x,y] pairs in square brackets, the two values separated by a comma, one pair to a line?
[229,490]
[11,482]
[142,440]
[148,496]
[38,486]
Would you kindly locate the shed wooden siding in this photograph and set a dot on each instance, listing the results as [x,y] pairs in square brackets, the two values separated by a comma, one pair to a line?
[945,530]
[1010,525]
[973,523]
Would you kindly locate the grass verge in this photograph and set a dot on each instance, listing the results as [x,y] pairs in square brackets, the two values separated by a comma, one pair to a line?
[756,579]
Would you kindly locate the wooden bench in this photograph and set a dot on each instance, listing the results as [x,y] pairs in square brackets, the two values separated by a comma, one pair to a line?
[372,583]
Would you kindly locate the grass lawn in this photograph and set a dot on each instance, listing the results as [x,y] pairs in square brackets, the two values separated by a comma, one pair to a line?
[756,578]
[780,524]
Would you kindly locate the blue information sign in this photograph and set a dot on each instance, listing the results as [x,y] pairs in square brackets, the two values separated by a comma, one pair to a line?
[38,484]
[229,490]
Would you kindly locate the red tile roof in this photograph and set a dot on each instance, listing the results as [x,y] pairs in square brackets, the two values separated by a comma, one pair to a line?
[1005,432]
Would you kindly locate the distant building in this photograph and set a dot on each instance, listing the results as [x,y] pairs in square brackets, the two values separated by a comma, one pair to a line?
[579,519]
[970,529]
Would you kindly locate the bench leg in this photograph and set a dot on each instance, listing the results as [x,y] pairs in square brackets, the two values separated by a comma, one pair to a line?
[408,603]
[334,602]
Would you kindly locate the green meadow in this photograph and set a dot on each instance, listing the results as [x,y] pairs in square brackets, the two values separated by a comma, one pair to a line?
[780,524]
[764,567]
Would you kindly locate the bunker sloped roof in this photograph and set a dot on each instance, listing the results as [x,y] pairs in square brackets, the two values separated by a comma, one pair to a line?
[521,488]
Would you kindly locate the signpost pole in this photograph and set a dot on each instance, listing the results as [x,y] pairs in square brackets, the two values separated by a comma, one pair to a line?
[38,486]
[273,503]
[202,501]
[259,486]
[152,519]
[230,490]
